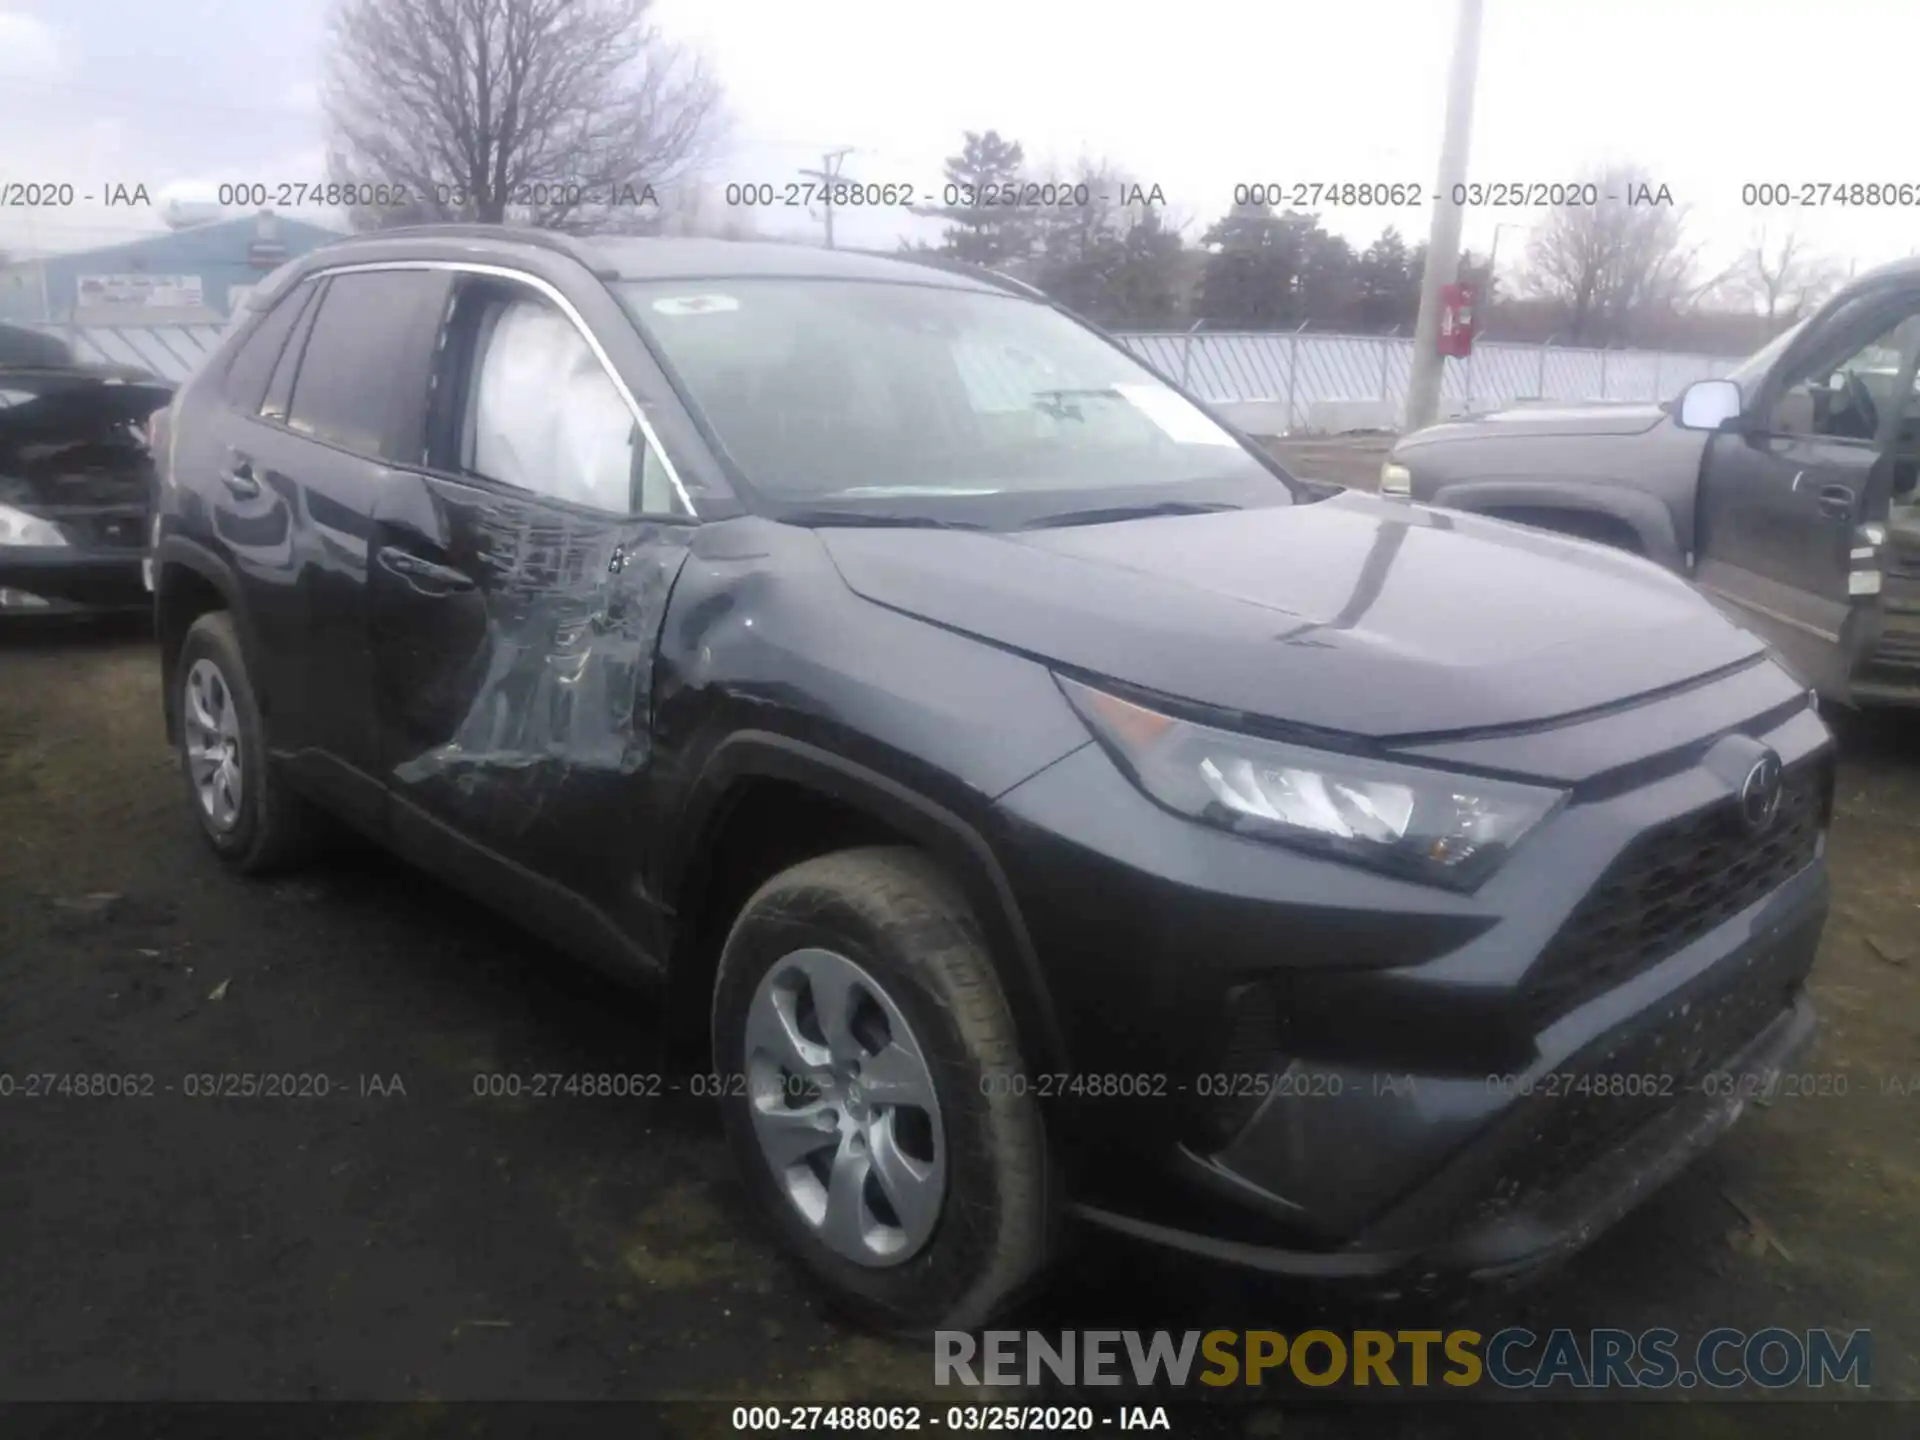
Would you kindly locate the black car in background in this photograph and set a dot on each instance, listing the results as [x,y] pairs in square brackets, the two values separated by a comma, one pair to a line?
[76,479]
[1050,808]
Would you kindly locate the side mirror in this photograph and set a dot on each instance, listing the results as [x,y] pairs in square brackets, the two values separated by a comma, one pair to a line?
[1709,404]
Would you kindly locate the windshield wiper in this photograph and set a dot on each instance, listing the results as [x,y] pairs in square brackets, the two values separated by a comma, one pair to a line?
[895,492]
[1112,513]
[872,520]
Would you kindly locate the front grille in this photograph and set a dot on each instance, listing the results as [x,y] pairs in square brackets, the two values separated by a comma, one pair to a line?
[1673,885]
[1899,649]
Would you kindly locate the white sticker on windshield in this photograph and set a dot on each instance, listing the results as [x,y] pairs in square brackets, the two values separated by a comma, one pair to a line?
[695,304]
[1181,422]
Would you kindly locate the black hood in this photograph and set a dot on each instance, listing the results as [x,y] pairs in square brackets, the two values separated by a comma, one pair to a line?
[1353,614]
[68,439]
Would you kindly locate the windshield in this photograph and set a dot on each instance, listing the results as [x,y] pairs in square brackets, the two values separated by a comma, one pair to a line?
[889,399]
[1750,371]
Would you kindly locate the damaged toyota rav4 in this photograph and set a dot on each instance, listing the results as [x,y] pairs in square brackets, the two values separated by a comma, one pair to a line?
[1055,813]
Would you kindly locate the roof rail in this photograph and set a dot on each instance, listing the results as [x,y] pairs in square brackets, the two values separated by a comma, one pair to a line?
[267,293]
[996,278]
[473,230]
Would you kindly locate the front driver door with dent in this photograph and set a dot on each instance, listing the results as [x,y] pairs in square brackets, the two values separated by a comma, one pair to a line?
[520,582]
[1784,496]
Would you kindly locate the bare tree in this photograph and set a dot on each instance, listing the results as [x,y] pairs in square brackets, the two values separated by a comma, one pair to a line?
[1105,245]
[569,114]
[1785,280]
[1618,266]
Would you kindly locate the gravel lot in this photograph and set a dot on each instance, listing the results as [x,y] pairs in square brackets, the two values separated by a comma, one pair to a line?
[431,1243]
[1353,460]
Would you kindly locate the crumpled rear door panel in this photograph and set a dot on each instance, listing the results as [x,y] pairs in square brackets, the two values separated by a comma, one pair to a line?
[514,643]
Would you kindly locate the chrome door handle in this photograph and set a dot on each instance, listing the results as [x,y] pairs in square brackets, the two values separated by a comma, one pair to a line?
[422,573]
[240,479]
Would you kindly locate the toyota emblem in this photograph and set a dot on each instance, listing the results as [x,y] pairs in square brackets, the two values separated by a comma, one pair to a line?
[1760,794]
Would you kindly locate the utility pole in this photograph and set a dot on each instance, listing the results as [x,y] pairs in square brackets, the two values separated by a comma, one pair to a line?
[1443,239]
[40,265]
[827,174]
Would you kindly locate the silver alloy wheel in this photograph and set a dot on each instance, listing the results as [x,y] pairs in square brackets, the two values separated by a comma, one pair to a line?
[212,722]
[844,1107]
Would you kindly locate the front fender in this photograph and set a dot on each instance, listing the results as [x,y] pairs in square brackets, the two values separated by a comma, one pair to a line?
[1644,514]
[758,754]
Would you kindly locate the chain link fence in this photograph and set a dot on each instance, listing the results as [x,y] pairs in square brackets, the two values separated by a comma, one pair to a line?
[1306,382]
[1269,384]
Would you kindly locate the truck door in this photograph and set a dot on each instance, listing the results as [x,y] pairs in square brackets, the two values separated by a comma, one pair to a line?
[1793,496]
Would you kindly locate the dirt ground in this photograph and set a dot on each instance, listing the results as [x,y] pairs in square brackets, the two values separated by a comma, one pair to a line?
[404,1238]
[1353,460]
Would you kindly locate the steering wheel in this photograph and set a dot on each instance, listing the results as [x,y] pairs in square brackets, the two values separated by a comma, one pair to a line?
[1861,399]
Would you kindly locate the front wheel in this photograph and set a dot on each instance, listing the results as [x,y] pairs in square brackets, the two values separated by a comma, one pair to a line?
[876,1125]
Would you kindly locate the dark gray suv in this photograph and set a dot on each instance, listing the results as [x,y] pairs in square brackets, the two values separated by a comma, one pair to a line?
[1049,808]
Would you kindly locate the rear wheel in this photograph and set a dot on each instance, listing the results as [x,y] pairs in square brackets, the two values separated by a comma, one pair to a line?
[872,1106]
[249,817]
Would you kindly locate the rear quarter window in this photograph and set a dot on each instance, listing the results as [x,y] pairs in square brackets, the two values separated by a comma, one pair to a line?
[258,351]
[280,387]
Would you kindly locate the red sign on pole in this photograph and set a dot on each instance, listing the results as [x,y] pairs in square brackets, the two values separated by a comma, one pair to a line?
[1456,319]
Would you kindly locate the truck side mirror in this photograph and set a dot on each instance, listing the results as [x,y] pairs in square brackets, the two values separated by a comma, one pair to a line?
[1709,405]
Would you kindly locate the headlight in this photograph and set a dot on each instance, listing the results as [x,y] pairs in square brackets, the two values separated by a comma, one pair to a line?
[1429,825]
[19,528]
[1395,480]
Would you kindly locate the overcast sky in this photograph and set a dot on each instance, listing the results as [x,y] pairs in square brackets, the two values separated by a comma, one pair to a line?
[1195,97]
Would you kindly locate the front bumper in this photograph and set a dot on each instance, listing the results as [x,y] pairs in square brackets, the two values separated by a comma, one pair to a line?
[74,578]
[1510,1235]
[1889,672]
[1433,1098]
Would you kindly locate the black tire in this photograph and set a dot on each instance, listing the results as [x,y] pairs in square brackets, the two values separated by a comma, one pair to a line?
[898,916]
[275,828]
